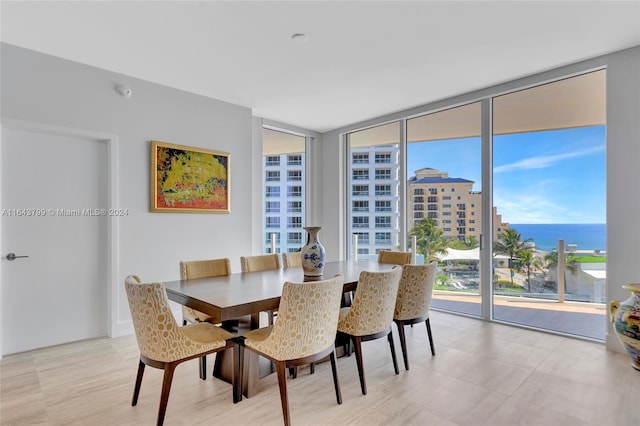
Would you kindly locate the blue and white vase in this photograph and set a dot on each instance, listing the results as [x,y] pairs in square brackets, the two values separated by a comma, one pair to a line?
[313,253]
[625,317]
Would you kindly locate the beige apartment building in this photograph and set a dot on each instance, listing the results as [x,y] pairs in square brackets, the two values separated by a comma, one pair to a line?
[450,202]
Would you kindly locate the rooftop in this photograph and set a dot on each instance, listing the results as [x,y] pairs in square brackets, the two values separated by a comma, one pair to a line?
[440,180]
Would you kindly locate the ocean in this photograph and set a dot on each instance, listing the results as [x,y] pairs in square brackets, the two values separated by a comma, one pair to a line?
[587,236]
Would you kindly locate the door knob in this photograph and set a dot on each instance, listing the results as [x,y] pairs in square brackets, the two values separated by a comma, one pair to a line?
[12,256]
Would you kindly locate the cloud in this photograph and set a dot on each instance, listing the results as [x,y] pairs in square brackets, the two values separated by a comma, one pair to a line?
[536,203]
[531,208]
[543,161]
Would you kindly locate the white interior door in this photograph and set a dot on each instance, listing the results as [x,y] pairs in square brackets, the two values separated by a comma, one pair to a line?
[53,188]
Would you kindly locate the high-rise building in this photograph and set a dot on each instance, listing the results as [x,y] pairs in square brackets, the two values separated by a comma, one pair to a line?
[450,202]
[284,213]
[374,199]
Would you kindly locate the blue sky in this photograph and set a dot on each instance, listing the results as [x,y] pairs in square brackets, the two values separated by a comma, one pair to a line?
[553,176]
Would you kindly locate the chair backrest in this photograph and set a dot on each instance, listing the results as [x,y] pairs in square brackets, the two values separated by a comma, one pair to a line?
[394,257]
[204,268]
[307,319]
[259,263]
[415,291]
[159,337]
[291,259]
[373,303]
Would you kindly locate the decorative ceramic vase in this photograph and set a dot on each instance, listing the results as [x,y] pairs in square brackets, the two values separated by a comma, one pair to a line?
[625,317]
[312,253]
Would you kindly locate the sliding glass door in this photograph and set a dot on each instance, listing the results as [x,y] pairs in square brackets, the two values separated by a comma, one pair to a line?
[549,185]
[444,202]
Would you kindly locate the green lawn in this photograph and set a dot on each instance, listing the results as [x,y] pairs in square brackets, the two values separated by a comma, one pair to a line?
[591,259]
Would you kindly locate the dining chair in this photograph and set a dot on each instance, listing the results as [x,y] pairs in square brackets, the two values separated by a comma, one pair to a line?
[394,257]
[413,302]
[290,260]
[165,345]
[261,262]
[371,314]
[293,260]
[202,269]
[304,333]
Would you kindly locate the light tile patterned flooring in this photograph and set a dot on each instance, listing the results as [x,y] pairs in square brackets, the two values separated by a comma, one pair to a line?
[483,374]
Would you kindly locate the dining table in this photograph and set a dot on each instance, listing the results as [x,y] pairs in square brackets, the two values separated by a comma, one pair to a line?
[237,295]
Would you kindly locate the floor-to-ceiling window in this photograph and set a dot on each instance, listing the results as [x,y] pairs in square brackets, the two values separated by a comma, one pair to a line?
[541,152]
[444,206]
[284,190]
[549,185]
[373,191]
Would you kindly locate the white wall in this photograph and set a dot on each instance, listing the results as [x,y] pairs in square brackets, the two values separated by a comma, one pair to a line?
[623,154]
[44,89]
[623,176]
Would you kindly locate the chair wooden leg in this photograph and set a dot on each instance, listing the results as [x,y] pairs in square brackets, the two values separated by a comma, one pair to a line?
[203,367]
[433,351]
[357,348]
[403,344]
[169,368]
[136,389]
[312,368]
[281,371]
[336,382]
[393,352]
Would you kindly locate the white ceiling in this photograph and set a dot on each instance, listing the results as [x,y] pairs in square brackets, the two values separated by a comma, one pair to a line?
[363,59]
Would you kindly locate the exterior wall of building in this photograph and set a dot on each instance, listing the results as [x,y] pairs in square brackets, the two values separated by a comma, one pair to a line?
[284,207]
[498,224]
[450,202]
[374,199]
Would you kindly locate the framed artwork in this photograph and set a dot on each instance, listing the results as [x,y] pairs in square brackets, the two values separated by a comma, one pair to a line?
[189,180]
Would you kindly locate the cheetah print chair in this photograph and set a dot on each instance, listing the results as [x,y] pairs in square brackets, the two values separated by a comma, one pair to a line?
[371,315]
[414,300]
[163,344]
[304,333]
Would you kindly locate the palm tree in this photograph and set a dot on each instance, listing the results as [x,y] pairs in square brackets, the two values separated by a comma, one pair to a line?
[429,238]
[468,243]
[528,259]
[510,244]
[472,242]
[570,263]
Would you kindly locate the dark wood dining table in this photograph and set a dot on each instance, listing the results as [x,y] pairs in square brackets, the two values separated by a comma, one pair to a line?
[249,293]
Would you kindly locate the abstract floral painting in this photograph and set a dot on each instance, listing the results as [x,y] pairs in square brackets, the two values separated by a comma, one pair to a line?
[189,180]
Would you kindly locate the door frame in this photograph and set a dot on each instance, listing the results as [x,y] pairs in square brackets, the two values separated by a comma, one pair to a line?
[113,329]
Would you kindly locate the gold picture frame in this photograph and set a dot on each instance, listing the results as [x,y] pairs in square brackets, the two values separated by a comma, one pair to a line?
[189,180]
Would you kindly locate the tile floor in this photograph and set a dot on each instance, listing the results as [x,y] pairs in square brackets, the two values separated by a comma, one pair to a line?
[483,374]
